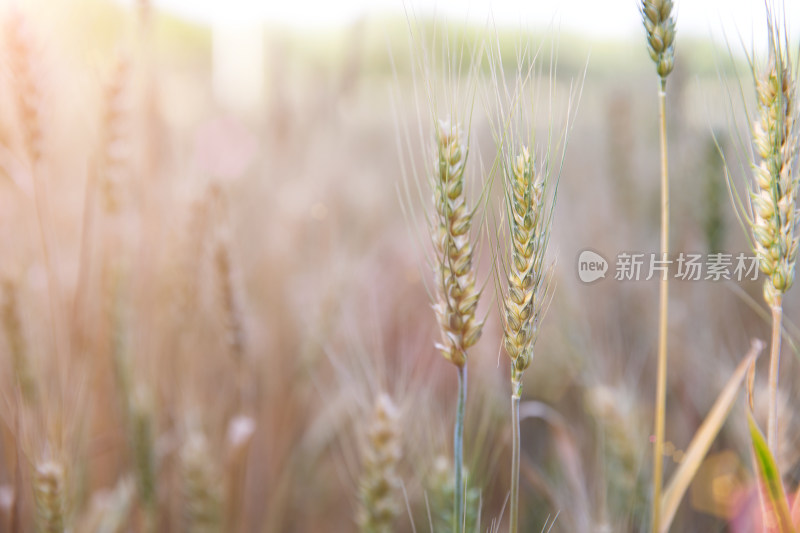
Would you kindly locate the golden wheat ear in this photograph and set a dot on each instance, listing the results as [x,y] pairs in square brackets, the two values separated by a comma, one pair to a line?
[458,293]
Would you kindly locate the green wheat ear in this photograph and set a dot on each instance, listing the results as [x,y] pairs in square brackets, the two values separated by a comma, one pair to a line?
[660,27]
[774,194]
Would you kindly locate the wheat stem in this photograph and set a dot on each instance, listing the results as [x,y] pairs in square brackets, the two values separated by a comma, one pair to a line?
[663,297]
[515,452]
[774,374]
[458,451]
[659,27]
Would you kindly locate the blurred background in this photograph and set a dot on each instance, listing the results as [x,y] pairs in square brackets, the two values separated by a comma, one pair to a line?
[211,269]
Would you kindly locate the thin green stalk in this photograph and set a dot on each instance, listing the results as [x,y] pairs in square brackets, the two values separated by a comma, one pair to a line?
[515,451]
[663,297]
[458,451]
[774,374]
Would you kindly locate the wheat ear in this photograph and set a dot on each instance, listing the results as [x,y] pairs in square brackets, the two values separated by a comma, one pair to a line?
[774,197]
[526,287]
[201,487]
[114,154]
[27,90]
[49,497]
[439,493]
[15,337]
[659,27]
[380,482]
[458,294]
[523,303]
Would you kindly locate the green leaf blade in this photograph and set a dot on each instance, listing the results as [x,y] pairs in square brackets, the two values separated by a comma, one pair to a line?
[774,506]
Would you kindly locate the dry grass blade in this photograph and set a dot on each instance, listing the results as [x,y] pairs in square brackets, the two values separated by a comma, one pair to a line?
[704,437]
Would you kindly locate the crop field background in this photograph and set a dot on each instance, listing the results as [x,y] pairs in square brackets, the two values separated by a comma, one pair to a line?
[216,284]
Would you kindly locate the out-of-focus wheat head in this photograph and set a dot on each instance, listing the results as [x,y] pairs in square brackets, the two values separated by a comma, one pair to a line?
[774,192]
[49,497]
[230,300]
[620,426]
[439,492]
[660,26]
[113,136]
[380,483]
[26,87]
[109,511]
[202,494]
[523,301]
[458,294]
[15,339]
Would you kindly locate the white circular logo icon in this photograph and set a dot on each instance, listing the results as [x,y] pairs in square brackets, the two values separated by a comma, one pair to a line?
[591,266]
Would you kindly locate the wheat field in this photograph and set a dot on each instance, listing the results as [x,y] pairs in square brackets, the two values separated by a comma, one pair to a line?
[328,281]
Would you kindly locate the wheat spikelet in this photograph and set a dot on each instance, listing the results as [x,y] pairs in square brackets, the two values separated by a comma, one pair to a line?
[458,294]
[380,482]
[202,507]
[16,344]
[660,26]
[523,301]
[774,195]
[49,497]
